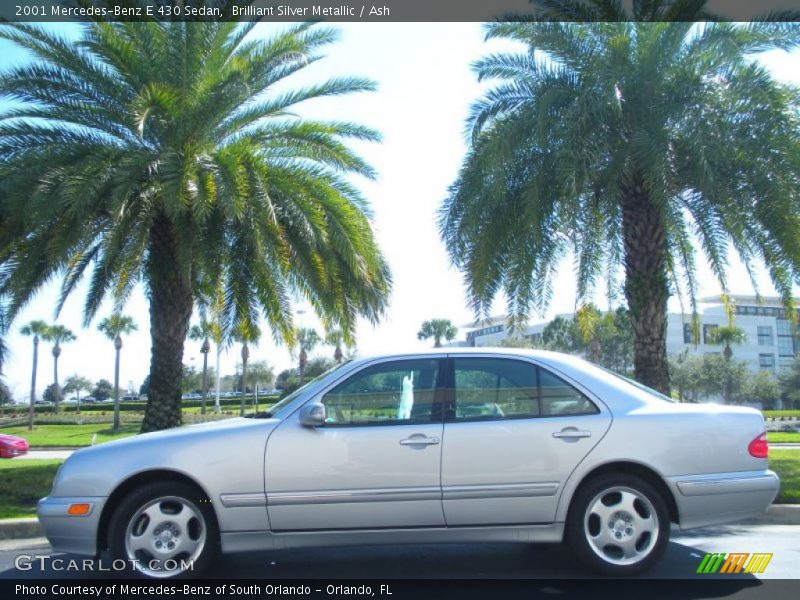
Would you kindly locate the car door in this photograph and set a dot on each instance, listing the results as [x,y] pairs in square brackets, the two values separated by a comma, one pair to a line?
[513,433]
[376,460]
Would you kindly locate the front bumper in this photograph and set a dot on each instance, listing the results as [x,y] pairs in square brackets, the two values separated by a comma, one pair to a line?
[717,498]
[71,533]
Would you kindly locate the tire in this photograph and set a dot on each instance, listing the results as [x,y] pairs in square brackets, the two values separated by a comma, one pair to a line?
[618,525]
[156,515]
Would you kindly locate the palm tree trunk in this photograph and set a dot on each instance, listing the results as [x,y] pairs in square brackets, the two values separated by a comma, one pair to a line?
[33,381]
[171,303]
[116,390]
[216,399]
[205,386]
[57,398]
[646,284]
[303,361]
[245,355]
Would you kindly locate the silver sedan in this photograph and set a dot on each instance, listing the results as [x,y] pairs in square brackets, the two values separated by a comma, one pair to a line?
[448,446]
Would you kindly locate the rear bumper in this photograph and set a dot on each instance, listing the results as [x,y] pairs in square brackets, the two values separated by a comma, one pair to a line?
[12,452]
[717,498]
[68,533]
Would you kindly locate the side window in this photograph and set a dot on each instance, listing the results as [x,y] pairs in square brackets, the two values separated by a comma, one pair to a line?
[487,388]
[397,392]
[560,398]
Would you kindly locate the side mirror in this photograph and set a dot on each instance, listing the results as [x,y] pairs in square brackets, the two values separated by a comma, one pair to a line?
[312,415]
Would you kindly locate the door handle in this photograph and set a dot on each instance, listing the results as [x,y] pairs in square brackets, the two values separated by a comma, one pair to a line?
[572,433]
[419,441]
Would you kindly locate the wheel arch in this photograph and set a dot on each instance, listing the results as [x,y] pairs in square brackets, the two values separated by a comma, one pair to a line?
[631,468]
[130,484]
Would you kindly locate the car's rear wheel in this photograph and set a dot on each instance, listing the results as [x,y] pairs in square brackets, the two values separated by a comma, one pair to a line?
[618,524]
[164,530]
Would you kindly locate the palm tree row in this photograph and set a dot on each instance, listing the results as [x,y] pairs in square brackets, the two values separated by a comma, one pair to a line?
[161,153]
[617,142]
[113,327]
[207,331]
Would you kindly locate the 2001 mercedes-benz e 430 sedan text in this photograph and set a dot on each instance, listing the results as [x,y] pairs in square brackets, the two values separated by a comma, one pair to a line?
[449,446]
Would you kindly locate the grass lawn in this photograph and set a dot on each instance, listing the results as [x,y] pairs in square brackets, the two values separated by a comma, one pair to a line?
[71,435]
[22,483]
[786,463]
[781,413]
[783,437]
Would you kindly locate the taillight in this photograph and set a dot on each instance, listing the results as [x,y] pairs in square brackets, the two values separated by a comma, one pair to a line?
[758,448]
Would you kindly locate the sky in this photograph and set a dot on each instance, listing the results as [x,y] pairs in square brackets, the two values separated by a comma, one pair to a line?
[425,88]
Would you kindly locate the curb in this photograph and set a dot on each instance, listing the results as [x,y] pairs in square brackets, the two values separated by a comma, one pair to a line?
[777,514]
[16,529]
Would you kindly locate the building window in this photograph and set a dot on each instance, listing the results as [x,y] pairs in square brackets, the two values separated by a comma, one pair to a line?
[765,335]
[687,333]
[785,362]
[784,327]
[785,345]
[766,361]
[706,330]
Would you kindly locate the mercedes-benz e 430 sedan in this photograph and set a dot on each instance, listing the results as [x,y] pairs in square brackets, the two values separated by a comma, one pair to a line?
[461,446]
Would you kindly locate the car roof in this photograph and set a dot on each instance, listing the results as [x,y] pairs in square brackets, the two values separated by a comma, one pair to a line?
[547,356]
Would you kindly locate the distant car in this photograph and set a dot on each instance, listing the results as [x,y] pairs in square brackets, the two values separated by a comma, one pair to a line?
[129,398]
[89,400]
[11,446]
[453,446]
[43,402]
[192,396]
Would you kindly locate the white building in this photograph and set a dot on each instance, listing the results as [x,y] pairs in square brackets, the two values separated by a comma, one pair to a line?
[769,344]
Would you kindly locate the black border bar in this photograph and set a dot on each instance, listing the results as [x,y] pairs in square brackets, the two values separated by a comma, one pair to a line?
[397,10]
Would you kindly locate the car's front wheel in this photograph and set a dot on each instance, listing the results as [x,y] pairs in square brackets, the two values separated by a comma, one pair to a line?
[164,530]
[618,524]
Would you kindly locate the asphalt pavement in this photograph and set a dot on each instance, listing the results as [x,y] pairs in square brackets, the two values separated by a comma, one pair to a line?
[449,561]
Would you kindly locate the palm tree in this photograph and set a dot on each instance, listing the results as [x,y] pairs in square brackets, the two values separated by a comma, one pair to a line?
[77,384]
[214,303]
[618,142]
[335,338]
[114,327]
[587,321]
[37,329]
[307,339]
[437,329]
[203,331]
[3,346]
[171,154]
[641,10]
[57,334]
[726,335]
[245,332]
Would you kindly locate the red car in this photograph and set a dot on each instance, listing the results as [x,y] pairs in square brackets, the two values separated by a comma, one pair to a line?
[11,446]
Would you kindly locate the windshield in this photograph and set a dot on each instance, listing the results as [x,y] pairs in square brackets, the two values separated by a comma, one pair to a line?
[276,408]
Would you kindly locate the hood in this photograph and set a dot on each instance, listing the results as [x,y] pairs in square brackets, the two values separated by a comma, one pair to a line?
[177,434]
